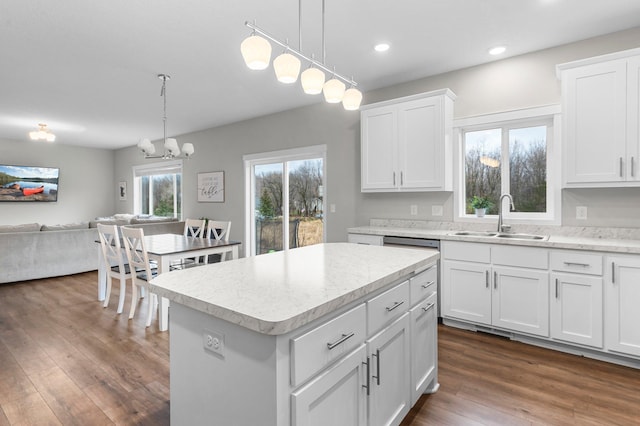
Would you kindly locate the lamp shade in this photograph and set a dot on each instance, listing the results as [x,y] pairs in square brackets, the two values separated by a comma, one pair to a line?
[312,80]
[256,52]
[352,99]
[333,91]
[187,149]
[171,145]
[287,68]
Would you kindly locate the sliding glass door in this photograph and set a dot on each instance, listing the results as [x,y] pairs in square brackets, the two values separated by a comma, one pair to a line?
[285,199]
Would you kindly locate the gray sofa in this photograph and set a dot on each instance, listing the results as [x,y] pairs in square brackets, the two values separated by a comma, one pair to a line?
[32,251]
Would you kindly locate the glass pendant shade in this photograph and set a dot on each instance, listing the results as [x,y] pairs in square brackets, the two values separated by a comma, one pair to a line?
[352,99]
[333,91]
[187,149]
[171,145]
[312,80]
[287,68]
[256,52]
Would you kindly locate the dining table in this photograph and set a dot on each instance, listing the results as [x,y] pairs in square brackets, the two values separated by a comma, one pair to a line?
[166,248]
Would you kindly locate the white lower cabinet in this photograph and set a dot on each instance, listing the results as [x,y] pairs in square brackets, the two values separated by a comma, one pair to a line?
[486,292]
[389,398]
[335,397]
[622,304]
[374,380]
[576,309]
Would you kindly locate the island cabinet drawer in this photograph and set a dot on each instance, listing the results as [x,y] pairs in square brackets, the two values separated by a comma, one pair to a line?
[467,252]
[424,284]
[326,343]
[524,257]
[387,306]
[576,262]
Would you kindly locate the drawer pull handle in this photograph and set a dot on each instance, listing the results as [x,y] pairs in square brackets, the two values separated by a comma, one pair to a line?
[340,340]
[586,265]
[427,285]
[429,306]
[613,272]
[486,279]
[556,288]
[495,279]
[367,386]
[377,355]
[395,305]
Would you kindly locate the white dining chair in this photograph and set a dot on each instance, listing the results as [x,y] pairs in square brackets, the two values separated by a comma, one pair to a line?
[141,269]
[192,228]
[219,230]
[115,264]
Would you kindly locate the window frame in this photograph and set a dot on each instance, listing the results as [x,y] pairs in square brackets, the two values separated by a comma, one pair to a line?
[529,117]
[161,168]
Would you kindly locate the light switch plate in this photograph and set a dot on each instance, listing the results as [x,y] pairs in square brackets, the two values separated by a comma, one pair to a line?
[414,210]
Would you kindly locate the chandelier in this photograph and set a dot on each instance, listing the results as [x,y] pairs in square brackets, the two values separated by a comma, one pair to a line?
[42,134]
[256,52]
[171,148]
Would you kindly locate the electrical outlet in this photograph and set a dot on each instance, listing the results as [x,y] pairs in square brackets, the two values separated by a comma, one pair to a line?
[332,208]
[213,341]
[414,210]
[581,212]
[437,210]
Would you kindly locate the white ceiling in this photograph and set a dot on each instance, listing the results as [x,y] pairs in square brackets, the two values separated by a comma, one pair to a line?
[88,68]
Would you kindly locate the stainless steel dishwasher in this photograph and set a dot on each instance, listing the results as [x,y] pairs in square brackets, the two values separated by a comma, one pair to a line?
[416,243]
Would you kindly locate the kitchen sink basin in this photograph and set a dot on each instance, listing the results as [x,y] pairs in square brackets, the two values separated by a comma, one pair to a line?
[522,236]
[475,234]
[505,235]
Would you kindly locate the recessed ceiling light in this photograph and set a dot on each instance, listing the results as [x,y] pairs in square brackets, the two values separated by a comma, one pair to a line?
[497,50]
[382,47]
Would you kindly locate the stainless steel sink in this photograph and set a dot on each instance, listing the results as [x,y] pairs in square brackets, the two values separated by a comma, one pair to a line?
[475,234]
[507,235]
[522,236]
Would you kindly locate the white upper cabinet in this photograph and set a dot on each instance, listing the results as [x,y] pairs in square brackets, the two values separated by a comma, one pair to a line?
[406,143]
[600,99]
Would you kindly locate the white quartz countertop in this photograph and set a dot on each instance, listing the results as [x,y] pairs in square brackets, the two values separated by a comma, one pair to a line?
[278,292]
[574,242]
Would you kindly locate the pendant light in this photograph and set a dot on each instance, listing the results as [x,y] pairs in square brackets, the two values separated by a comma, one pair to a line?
[171,148]
[256,51]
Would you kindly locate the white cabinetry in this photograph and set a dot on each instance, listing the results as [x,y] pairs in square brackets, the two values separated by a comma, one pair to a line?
[601,120]
[406,143]
[371,240]
[576,302]
[352,378]
[622,301]
[500,286]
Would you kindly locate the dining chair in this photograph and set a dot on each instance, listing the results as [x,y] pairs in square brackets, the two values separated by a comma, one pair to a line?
[141,269]
[192,228]
[219,230]
[114,262]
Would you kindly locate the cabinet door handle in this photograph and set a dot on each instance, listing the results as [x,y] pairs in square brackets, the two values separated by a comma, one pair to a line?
[377,355]
[620,166]
[395,305]
[556,288]
[341,340]
[613,272]
[427,284]
[429,306]
[495,279]
[401,178]
[586,265]
[632,171]
[368,385]
[486,278]
[394,178]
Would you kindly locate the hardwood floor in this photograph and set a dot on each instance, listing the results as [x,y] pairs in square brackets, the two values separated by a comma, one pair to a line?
[66,360]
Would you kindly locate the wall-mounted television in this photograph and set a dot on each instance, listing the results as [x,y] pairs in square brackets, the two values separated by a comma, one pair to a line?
[28,183]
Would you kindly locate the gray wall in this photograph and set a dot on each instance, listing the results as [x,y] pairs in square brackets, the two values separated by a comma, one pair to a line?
[86,185]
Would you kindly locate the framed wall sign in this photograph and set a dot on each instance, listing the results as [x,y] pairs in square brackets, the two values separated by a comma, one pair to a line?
[211,187]
[122,191]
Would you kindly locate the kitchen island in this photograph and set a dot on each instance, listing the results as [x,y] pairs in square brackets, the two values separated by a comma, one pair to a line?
[337,333]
